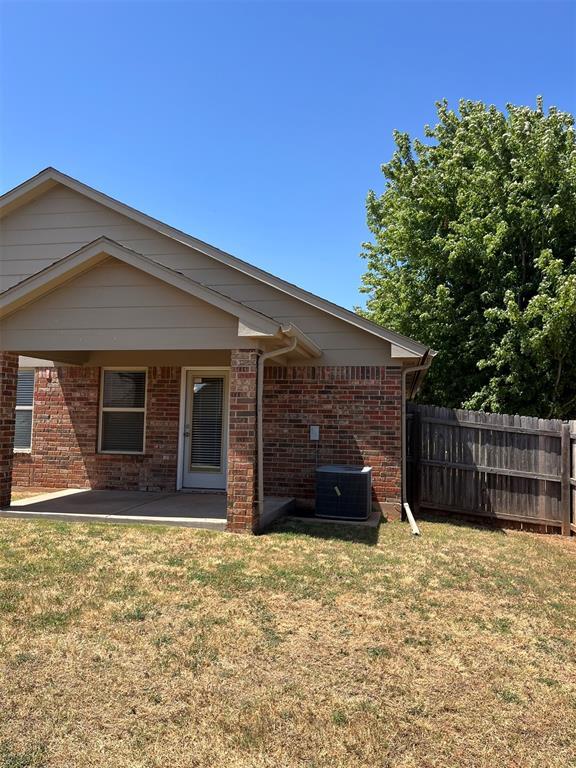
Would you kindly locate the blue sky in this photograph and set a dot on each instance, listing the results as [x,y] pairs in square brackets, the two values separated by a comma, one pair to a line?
[260,126]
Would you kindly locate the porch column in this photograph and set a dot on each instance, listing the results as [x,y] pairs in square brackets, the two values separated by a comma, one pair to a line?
[242,511]
[8,382]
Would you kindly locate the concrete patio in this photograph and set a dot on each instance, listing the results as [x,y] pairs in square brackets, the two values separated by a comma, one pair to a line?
[193,510]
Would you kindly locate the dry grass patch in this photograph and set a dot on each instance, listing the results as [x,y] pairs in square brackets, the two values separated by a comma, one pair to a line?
[147,647]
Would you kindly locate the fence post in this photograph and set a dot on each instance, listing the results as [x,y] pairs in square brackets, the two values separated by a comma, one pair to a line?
[566,475]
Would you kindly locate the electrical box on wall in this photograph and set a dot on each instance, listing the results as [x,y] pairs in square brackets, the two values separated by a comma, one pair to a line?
[314,433]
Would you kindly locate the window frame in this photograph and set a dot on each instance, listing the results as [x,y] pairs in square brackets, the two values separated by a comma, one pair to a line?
[102,409]
[27,408]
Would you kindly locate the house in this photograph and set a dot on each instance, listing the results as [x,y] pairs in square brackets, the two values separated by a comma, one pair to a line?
[134,356]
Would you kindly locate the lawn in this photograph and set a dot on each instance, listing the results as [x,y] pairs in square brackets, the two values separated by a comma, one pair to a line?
[135,647]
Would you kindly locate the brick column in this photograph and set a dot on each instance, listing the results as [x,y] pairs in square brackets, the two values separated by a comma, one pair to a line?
[8,381]
[242,510]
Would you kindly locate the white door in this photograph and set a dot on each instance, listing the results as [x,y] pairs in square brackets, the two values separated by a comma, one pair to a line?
[205,430]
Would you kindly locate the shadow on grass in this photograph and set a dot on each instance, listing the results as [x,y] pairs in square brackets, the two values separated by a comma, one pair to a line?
[320,530]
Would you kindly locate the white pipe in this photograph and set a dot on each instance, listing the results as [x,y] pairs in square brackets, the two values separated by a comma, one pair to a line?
[405,372]
[411,520]
[259,420]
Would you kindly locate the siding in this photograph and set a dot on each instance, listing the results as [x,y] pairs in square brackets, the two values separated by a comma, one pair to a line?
[61,221]
[115,306]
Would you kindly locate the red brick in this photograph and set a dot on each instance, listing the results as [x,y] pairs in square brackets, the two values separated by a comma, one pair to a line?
[8,381]
[356,407]
[65,435]
[358,411]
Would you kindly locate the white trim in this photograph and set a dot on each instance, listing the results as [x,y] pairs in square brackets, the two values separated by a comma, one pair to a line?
[182,417]
[122,410]
[49,176]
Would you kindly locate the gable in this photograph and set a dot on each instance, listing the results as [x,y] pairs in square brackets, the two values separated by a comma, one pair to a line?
[62,219]
[116,306]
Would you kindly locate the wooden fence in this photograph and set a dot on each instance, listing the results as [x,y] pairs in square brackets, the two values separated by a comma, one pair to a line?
[490,465]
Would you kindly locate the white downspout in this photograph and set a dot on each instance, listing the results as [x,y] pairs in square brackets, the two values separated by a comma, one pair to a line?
[259,420]
[405,505]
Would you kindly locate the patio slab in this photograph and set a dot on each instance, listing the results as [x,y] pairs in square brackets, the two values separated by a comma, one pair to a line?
[199,510]
[87,502]
[195,510]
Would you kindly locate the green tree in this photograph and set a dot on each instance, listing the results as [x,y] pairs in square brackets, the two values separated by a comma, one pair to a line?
[474,253]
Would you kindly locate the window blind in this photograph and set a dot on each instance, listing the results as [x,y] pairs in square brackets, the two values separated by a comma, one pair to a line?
[25,387]
[24,409]
[123,431]
[207,422]
[123,416]
[124,389]
[23,430]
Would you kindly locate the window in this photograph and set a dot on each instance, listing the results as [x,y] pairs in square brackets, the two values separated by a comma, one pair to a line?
[207,422]
[24,408]
[122,411]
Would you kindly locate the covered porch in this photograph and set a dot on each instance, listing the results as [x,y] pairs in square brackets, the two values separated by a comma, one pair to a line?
[196,471]
[121,348]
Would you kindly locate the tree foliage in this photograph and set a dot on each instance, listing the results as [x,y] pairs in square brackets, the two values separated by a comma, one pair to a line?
[474,253]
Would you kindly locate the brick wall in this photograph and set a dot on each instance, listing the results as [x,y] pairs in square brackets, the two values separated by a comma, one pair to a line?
[241,480]
[8,374]
[358,409]
[65,434]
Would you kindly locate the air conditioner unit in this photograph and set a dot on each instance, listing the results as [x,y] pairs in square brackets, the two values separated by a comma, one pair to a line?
[343,492]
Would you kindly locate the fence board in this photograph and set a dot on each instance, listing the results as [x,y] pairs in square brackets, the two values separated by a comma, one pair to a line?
[492,465]
[573,474]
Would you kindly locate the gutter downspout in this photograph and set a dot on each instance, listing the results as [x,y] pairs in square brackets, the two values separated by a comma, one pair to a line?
[259,420]
[405,505]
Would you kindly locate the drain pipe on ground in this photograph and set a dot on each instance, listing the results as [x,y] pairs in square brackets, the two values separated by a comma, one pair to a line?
[405,504]
[259,419]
